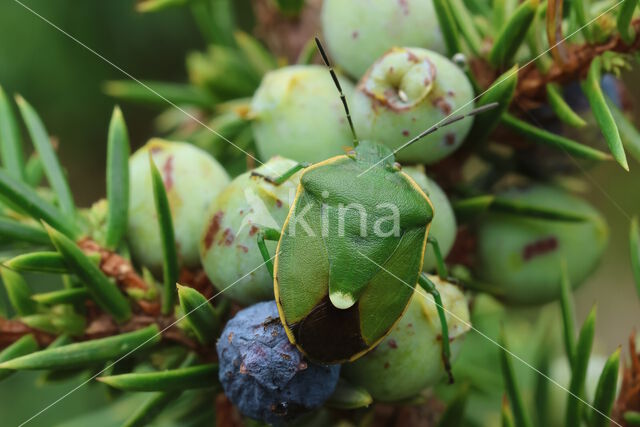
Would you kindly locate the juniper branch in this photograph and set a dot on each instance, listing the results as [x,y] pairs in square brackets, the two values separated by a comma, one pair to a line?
[531,89]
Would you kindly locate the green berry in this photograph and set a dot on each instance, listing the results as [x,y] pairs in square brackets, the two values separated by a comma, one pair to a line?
[192,179]
[522,256]
[297,114]
[228,246]
[405,92]
[443,226]
[357,32]
[409,359]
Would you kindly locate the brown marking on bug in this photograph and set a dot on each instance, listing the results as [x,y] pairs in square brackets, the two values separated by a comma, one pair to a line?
[393,344]
[253,230]
[227,237]
[451,93]
[243,248]
[156,149]
[230,337]
[243,369]
[539,247]
[386,365]
[330,334]
[285,356]
[241,211]
[410,325]
[441,104]
[212,230]
[450,138]
[278,203]
[167,172]
[405,133]
[355,34]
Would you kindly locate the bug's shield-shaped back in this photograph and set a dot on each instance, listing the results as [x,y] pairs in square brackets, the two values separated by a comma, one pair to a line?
[335,299]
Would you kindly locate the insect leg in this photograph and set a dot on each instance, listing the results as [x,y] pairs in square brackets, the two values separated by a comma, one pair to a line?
[430,287]
[267,234]
[284,177]
[440,265]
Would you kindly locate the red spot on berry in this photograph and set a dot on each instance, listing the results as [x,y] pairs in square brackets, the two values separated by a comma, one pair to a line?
[227,237]
[442,105]
[167,170]
[450,138]
[243,248]
[214,227]
[253,230]
[539,247]
[405,133]
[393,344]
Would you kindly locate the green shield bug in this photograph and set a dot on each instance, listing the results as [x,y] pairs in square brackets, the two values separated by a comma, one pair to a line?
[351,249]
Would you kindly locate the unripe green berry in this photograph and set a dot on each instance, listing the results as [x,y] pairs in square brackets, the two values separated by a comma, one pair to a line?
[357,32]
[443,226]
[409,359]
[297,113]
[192,179]
[522,256]
[228,245]
[404,93]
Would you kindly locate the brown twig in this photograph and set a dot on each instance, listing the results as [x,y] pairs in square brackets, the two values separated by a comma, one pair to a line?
[101,325]
[115,266]
[629,397]
[286,36]
[531,89]
[13,330]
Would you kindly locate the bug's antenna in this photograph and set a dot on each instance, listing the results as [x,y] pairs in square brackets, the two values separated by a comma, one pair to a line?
[325,58]
[446,122]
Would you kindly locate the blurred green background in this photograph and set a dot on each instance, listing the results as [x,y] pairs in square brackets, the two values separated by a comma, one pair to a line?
[62,80]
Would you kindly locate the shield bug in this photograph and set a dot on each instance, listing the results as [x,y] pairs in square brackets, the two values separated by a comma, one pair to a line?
[351,249]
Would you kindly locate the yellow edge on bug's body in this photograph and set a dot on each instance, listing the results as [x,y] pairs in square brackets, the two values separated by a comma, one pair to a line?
[276,292]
